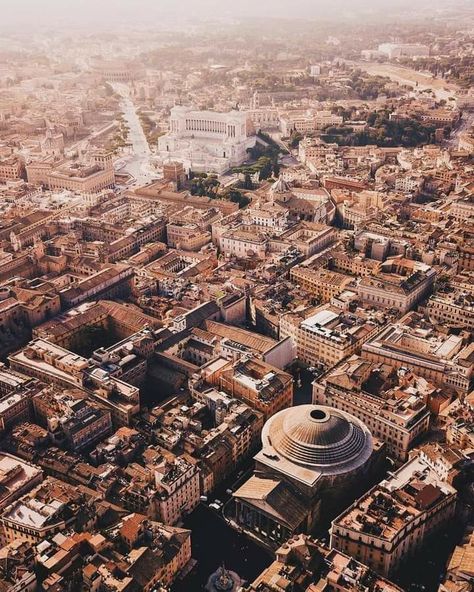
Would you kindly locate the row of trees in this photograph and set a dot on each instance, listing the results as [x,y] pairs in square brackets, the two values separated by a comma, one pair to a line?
[120,139]
[150,128]
[460,69]
[295,138]
[236,196]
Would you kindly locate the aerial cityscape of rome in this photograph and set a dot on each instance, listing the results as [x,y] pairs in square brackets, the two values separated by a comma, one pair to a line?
[237,295]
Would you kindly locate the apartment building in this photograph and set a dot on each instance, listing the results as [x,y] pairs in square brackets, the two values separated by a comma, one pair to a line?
[396,414]
[50,363]
[447,461]
[127,359]
[308,237]
[119,319]
[460,432]
[114,281]
[11,169]
[263,387]
[154,548]
[229,412]
[307,121]
[244,242]
[17,477]
[16,392]
[356,265]
[326,336]
[393,520]
[55,365]
[459,572]
[304,564]
[71,421]
[413,342]
[314,148]
[178,488]
[360,207]
[322,283]
[52,507]
[462,209]
[400,284]
[454,309]
[80,177]
[185,236]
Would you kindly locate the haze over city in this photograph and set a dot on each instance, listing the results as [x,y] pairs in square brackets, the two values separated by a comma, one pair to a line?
[149,13]
[237,296]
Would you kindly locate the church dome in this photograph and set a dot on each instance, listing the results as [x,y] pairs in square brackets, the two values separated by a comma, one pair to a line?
[280,186]
[318,437]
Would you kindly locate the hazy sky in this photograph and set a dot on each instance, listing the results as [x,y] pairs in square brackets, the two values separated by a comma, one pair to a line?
[49,13]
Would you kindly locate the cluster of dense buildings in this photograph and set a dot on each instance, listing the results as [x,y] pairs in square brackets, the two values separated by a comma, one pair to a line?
[157,339]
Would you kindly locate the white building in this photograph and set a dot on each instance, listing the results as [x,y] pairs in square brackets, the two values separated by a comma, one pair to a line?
[407,183]
[408,50]
[307,121]
[206,141]
[265,118]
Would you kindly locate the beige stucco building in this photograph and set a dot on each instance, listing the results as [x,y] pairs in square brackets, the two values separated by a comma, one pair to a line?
[392,521]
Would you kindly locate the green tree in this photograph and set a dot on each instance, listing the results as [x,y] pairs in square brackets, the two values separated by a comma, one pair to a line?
[295,138]
[266,167]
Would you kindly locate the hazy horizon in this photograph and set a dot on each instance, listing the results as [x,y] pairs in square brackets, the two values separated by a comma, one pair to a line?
[23,14]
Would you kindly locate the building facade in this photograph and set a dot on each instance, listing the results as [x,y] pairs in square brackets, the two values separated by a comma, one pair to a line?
[391,522]
[206,141]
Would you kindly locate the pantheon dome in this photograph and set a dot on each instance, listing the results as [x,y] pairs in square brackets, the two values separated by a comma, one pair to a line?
[315,439]
[314,460]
